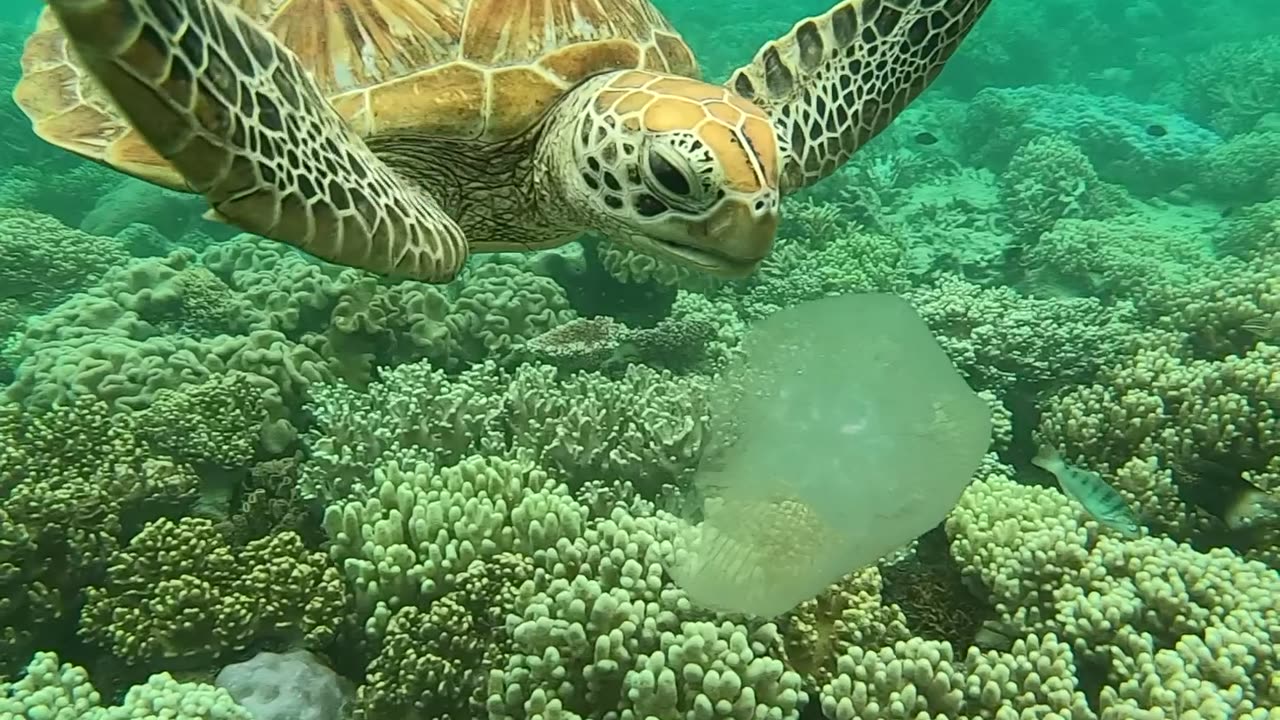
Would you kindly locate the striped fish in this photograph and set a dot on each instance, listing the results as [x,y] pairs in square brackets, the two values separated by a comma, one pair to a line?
[1086,487]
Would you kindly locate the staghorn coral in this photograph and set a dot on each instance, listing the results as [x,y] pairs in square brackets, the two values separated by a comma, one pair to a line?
[179,595]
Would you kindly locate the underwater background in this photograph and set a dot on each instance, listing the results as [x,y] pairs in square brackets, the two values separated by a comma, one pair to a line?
[239,482]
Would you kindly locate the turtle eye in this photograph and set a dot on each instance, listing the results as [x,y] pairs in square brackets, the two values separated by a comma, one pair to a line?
[671,179]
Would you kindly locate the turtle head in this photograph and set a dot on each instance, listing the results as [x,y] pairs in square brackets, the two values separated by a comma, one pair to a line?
[677,168]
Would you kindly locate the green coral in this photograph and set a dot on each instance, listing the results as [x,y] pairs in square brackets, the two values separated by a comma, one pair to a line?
[435,663]
[220,422]
[180,593]
[54,690]
[835,258]
[77,481]
[1244,169]
[411,537]
[1049,178]
[1001,340]
[1235,84]
[646,426]
[43,261]
[1137,258]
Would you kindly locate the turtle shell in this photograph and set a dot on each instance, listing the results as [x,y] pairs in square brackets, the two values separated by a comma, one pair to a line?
[466,70]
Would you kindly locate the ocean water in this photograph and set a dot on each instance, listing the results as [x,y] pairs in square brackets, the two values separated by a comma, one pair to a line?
[241,481]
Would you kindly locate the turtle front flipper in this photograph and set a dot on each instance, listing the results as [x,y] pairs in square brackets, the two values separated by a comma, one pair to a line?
[236,114]
[836,80]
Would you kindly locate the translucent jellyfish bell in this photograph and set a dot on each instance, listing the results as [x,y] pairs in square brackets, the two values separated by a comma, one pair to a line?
[855,435]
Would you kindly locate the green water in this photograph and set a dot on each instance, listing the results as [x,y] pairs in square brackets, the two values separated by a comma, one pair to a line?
[241,481]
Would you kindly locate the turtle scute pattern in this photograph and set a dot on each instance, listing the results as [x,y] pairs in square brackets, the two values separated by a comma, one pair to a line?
[241,119]
[865,61]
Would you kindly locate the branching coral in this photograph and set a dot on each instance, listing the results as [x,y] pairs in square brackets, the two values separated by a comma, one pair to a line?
[180,595]
[43,261]
[1049,178]
[408,540]
[608,635]
[1159,410]
[646,426]
[1166,626]
[435,663]
[835,260]
[1112,131]
[221,422]
[54,690]
[1135,258]
[1244,169]
[1235,84]
[999,338]
[76,482]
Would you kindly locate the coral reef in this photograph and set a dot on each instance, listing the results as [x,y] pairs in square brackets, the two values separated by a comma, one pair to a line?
[239,482]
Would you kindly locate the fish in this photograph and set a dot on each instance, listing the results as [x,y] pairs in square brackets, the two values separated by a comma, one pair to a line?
[1156,130]
[1086,487]
[926,138]
[1223,492]
[1264,327]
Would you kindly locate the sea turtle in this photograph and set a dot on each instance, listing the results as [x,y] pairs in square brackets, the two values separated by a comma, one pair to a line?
[392,134]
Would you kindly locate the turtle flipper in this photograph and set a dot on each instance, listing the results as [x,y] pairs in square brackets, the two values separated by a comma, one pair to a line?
[236,114]
[836,80]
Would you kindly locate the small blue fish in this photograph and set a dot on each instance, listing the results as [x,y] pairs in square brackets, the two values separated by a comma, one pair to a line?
[1089,489]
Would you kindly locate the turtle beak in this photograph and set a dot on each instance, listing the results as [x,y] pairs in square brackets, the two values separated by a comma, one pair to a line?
[730,242]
